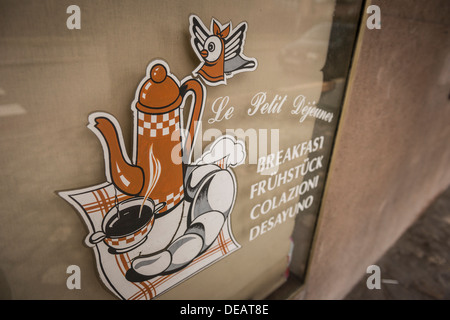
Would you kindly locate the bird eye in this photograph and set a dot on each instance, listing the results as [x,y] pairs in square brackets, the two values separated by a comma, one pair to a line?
[214,47]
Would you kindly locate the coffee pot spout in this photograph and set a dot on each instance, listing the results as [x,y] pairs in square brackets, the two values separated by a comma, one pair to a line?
[128,178]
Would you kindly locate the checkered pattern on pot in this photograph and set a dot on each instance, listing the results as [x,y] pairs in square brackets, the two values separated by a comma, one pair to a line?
[157,125]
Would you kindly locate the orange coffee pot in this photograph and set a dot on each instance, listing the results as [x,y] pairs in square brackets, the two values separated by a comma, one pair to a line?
[157,171]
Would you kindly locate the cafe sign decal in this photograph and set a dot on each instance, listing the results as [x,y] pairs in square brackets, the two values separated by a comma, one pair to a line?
[161,217]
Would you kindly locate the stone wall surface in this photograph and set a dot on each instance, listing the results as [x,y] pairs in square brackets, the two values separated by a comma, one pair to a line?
[392,155]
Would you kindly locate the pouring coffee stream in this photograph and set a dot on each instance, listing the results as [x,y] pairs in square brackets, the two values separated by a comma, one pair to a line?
[156,172]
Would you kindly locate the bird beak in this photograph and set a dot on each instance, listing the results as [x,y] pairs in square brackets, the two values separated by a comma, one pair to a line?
[204,53]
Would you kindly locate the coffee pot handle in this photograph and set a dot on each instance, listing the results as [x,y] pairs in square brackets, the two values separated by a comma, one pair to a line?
[195,87]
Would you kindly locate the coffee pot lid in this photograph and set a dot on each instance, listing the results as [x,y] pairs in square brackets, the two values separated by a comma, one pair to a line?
[160,93]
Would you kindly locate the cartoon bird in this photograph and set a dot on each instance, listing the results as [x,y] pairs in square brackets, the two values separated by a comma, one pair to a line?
[220,50]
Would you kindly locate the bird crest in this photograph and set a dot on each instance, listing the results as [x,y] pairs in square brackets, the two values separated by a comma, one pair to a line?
[220,33]
[220,50]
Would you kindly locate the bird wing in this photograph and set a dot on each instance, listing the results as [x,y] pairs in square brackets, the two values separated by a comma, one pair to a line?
[234,42]
[200,34]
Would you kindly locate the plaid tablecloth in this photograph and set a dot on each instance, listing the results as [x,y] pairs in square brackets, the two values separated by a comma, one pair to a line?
[94,203]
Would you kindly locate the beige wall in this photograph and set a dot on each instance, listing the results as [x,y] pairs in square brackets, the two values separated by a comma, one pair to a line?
[392,153]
